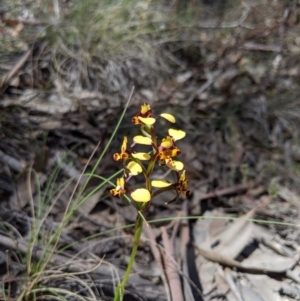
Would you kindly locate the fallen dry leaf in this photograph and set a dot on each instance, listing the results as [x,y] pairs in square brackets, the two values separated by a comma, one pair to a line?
[266,287]
[269,261]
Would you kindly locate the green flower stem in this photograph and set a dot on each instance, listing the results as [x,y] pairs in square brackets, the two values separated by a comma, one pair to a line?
[137,234]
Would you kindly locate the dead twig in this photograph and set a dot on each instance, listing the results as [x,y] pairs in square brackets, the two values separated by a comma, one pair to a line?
[157,255]
[228,278]
[261,47]
[224,25]
[16,68]
[237,189]
[231,263]
[186,261]
[171,269]
[37,22]
[206,85]
[13,163]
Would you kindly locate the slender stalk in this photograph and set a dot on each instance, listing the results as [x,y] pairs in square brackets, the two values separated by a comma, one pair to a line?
[137,234]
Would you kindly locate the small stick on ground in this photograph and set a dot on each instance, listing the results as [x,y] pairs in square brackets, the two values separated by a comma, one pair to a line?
[171,268]
[157,255]
[237,189]
[17,67]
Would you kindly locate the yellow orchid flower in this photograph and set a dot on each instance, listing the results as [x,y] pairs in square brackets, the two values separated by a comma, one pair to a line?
[168,153]
[134,168]
[120,188]
[144,116]
[144,113]
[124,154]
[176,134]
[143,163]
[141,195]
[181,186]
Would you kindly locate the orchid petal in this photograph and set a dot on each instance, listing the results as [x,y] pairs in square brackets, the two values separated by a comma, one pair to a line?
[169,117]
[182,177]
[134,168]
[141,156]
[145,108]
[142,140]
[124,144]
[167,142]
[114,192]
[177,134]
[176,165]
[147,120]
[120,182]
[119,190]
[141,195]
[160,183]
